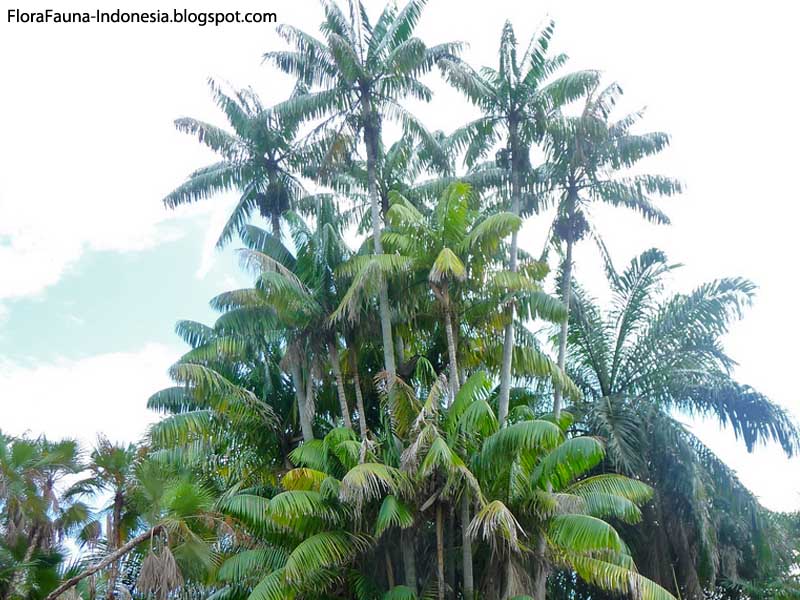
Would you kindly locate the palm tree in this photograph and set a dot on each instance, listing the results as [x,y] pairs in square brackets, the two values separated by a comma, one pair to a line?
[35,514]
[300,291]
[586,154]
[362,70]
[639,363]
[111,471]
[516,101]
[453,250]
[260,160]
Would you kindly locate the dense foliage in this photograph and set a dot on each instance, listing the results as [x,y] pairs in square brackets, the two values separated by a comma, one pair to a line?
[379,416]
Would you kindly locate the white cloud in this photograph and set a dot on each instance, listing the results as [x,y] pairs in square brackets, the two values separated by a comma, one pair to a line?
[80,398]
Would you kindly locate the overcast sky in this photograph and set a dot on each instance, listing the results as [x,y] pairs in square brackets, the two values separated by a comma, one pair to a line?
[94,271]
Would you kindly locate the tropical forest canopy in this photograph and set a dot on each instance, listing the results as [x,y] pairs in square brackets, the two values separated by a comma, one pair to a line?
[421,414]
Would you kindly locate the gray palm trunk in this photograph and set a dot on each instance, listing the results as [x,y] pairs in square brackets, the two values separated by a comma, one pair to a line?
[371,133]
[408,549]
[451,352]
[362,415]
[440,584]
[337,373]
[508,338]
[466,548]
[566,292]
[300,397]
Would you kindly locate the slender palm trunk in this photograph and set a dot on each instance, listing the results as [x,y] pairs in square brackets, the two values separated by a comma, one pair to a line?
[371,141]
[362,415]
[466,548]
[508,338]
[114,556]
[16,587]
[451,352]
[337,373]
[275,218]
[566,293]
[115,535]
[408,548]
[389,569]
[440,551]
[302,412]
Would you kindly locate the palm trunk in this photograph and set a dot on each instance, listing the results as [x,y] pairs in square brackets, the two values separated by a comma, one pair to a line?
[440,551]
[337,373]
[389,569]
[451,352]
[508,338]
[566,292]
[408,549]
[362,415]
[115,535]
[466,549]
[371,141]
[275,218]
[20,578]
[306,424]
[540,570]
[114,556]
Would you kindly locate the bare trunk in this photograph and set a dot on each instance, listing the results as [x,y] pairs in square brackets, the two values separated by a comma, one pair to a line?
[306,424]
[440,551]
[466,549]
[17,585]
[362,415]
[408,547]
[508,338]
[451,352]
[389,569]
[116,541]
[541,569]
[371,141]
[116,555]
[337,373]
[276,224]
[566,292]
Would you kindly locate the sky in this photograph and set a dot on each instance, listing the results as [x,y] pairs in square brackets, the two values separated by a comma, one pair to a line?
[94,271]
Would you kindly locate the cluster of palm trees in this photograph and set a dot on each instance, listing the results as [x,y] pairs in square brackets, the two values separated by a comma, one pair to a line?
[379,415]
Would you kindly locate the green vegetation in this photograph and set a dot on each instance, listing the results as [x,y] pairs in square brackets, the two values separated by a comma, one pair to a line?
[419,417]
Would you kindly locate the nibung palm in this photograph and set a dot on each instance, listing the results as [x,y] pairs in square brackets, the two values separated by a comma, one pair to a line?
[261,160]
[363,71]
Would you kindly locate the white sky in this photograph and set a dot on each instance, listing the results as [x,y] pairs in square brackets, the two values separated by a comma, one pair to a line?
[87,150]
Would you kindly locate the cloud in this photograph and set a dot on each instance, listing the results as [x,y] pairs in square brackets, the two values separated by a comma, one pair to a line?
[80,398]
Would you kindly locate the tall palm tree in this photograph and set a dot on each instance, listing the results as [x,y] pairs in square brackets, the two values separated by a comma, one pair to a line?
[260,160]
[646,360]
[588,158]
[516,101]
[362,70]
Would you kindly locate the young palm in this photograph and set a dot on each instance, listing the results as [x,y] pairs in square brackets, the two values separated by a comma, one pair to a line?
[362,70]
[259,160]
[451,252]
[587,154]
[295,294]
[516,101]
